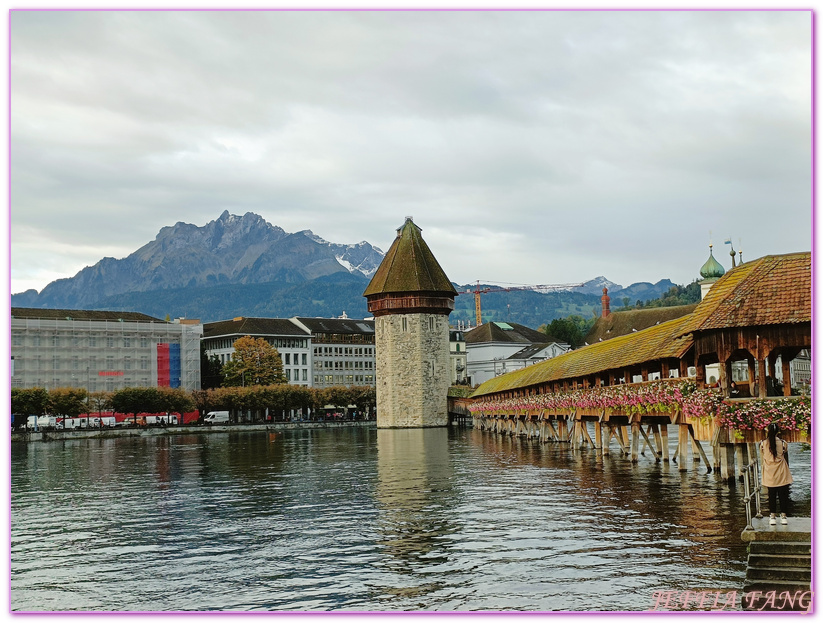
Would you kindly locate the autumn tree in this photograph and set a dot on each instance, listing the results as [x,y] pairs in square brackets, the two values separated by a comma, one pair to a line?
[68,401]
[254,362]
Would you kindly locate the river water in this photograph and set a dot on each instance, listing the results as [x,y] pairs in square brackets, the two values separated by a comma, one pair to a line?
[359,519]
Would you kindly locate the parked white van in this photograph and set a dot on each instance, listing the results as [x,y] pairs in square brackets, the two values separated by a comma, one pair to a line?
[40,421]
[216,417]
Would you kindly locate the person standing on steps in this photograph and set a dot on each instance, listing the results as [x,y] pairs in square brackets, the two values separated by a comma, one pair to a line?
[776,475]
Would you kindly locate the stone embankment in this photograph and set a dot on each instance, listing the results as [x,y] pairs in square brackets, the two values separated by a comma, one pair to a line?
[153,431]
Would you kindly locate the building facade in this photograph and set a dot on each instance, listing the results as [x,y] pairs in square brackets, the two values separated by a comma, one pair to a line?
[457,357]
[292,342]
[342,351]
[102,350]
[316,352]
[495,348]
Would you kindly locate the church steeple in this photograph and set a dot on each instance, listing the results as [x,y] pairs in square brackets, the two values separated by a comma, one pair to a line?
[711,271]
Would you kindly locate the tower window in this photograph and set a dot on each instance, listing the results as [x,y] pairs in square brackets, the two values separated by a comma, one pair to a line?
[404,324]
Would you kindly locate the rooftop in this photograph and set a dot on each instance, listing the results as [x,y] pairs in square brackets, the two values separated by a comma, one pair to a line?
[509,332]
[253,327]
[81,314]
[619,323]
[655,343]
[409,266]
[338,325]
[775,289]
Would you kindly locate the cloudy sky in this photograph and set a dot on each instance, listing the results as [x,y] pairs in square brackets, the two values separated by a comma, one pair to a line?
[532,147]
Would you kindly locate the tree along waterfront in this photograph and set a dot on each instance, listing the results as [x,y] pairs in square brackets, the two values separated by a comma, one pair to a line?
[251,404]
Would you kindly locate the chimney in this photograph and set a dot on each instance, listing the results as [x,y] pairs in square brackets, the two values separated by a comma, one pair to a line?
[604,301]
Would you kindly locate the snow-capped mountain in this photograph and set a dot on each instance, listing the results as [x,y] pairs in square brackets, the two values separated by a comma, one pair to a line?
[229,250]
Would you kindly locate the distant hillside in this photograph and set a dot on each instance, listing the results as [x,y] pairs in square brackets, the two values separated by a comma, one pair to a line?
[244,266]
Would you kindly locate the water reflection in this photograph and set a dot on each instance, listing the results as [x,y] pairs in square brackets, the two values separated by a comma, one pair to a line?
[414,494]
[362,519]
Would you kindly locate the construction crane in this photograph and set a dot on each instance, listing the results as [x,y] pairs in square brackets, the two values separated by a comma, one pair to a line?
[549,287]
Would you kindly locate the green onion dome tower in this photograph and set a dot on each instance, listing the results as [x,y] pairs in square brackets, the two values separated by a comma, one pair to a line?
[711,271]
[411,299]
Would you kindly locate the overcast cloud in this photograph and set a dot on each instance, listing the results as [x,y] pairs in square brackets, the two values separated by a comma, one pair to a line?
[531,147]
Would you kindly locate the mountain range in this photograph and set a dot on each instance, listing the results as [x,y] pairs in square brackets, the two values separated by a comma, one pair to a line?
[244,266]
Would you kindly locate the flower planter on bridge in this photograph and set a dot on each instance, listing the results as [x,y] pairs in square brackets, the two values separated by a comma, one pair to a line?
[756,436]
[704,427]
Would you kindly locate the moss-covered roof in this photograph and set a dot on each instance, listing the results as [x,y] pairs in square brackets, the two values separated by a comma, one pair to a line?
[625,322]
[409,266]
[652,344]
[776,289]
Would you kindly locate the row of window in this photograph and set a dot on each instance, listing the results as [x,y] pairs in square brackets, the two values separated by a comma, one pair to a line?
[341,379]
[287,359]
[343,351]
[276,342]
[341,338]
[86,364]
[91,341]
[296,374]
[343,365]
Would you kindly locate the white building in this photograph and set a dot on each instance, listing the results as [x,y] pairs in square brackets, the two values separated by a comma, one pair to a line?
[495,348]
[457,357]
[292,341]
[343,351]
[102,350]
[316,352]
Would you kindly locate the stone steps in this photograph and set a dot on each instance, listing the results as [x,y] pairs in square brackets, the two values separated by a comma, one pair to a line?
[778,576]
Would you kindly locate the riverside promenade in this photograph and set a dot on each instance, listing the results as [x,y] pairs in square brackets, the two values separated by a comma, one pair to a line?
[155,431]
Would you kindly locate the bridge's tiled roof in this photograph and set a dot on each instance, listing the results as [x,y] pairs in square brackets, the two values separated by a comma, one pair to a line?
[652,344]
[619,323]
[776,289]
[409,266]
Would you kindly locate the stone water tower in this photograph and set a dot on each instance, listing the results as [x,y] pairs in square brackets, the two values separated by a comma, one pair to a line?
[411,299]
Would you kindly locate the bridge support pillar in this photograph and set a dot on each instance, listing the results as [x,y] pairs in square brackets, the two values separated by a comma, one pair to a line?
[598,436]
[605,444]
[563,430]
[635,440]
[727,462]
[741,452]
[664,442]
[683,446]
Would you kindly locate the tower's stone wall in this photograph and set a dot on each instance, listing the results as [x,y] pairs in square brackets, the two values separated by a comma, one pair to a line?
[412,352]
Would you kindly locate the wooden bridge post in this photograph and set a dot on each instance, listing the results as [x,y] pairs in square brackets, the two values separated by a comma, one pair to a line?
[727,462]
[683,446]
[658,440]
[664,442]
[584,426]
[635,439]
[598,436]
[563,430]
[605,444]
[741,451]
[624,433]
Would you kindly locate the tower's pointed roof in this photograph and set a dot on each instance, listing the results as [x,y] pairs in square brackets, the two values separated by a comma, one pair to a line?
[409,266]
[712,268]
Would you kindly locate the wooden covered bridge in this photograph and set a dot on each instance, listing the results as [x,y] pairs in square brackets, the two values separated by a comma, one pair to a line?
[629,389]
